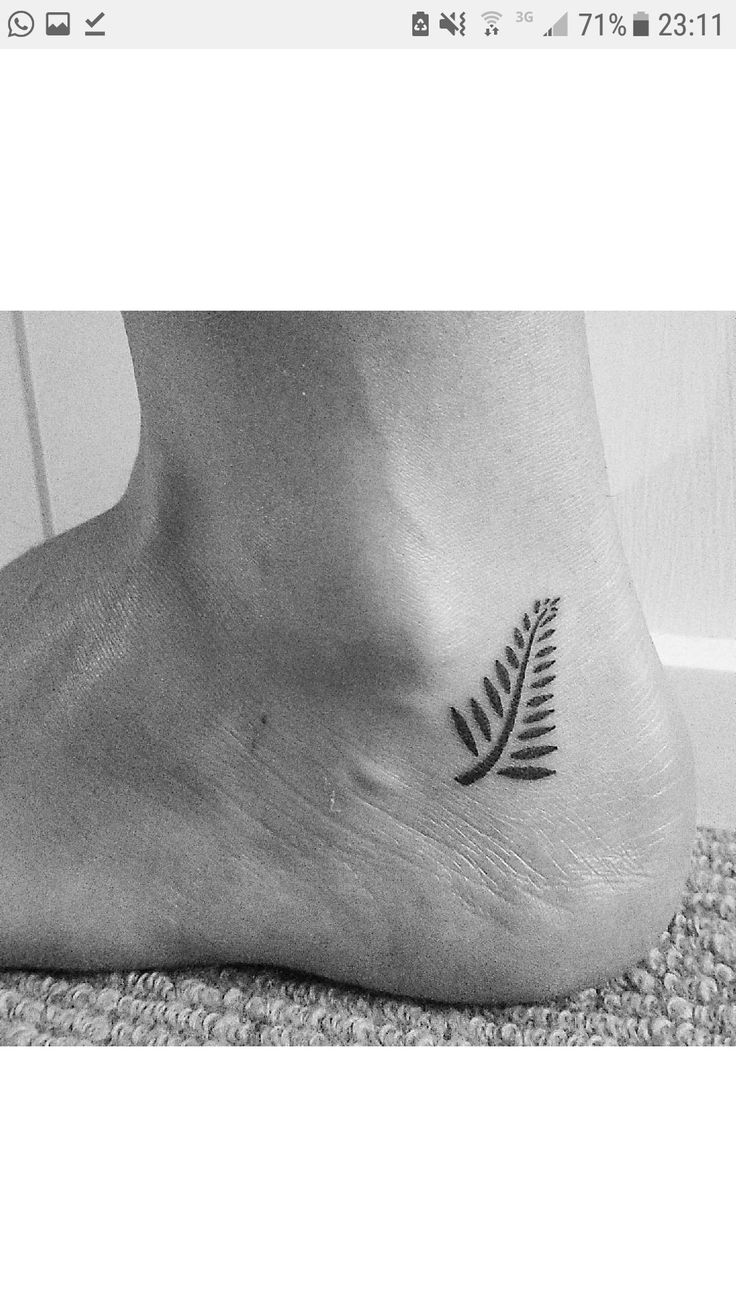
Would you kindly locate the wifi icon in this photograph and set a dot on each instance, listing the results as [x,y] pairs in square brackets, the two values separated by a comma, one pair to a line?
[491,18]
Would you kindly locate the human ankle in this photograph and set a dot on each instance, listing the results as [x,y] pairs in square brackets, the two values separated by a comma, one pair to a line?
[338,494]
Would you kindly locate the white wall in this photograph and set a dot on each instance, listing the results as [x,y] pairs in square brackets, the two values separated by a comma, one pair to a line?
[70,391]
[666,392]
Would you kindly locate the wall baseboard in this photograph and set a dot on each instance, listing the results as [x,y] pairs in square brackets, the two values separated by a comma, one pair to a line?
[702,674]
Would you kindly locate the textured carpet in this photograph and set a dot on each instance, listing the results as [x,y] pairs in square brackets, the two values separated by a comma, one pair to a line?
[683,994]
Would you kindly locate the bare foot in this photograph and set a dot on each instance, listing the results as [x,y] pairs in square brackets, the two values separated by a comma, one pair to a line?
[403,727]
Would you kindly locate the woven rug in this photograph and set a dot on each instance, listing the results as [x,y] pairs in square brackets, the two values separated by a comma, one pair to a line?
[684,993]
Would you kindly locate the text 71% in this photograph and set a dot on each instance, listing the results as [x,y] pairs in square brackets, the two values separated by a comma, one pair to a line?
[616,21]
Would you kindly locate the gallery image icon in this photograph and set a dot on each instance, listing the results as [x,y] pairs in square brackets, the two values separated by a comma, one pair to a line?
[58,24]
[491,18]
[454,23]
[559,28]
[20,23]
[641,24]
[420,23]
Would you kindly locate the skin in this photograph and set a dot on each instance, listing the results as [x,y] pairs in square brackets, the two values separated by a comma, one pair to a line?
[226,703]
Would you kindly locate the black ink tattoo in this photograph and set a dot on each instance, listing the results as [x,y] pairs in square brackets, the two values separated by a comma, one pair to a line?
[536,656]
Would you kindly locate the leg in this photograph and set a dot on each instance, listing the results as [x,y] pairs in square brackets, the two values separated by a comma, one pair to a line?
[248,714]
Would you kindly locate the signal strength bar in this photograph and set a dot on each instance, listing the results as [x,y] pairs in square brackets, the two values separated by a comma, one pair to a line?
[559,28]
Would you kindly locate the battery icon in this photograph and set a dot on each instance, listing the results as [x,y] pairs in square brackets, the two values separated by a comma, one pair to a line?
[641,24]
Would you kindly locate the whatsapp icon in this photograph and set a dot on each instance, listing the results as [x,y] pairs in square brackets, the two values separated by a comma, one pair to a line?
[20,23]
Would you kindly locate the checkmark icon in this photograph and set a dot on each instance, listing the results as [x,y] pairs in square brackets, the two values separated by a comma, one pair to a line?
[92,22]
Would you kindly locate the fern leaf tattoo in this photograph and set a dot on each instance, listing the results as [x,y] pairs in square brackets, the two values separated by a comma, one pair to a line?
[522,698]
